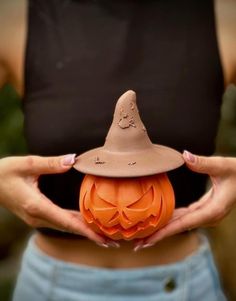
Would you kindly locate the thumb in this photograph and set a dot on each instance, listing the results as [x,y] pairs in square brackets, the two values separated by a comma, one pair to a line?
[213,166]
[46,165]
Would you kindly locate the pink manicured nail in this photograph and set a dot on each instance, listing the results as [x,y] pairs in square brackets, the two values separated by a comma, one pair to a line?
[138,247]
[113,244]
[104,245]
[68,159]
[190,157]
[148,245]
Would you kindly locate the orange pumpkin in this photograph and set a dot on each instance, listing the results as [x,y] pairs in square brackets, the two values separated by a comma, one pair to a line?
[127,208]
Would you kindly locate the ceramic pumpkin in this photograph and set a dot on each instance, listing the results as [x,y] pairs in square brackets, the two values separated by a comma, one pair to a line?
[126,193]
[126,208]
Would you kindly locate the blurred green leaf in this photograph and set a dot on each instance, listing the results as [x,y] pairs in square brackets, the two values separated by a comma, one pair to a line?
[12,140]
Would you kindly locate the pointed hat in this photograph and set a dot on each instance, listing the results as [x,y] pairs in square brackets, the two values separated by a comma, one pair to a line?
[128,151]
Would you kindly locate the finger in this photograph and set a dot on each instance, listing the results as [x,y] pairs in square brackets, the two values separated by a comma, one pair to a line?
[38,206]
[179,212]
[203,200]
[74,222]
[183,210]
[198,218]
[138,243]
[47,165]
[84,229]
[70,221]
[41,223]
[214,166]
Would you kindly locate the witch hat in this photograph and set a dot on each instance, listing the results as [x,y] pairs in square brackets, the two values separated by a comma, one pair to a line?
[128,151]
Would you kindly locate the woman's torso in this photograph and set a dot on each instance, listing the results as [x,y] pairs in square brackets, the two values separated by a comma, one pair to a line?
[81,55]
[41,91]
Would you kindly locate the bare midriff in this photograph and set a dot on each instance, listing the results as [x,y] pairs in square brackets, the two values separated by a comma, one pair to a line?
[86,252]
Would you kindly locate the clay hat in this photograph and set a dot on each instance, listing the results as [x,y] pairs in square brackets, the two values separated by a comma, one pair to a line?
[128,151]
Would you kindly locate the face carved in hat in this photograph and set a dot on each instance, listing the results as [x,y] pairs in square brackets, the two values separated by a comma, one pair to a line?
[126,208]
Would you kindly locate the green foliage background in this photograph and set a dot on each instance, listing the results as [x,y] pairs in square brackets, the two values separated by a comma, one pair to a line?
[12,141]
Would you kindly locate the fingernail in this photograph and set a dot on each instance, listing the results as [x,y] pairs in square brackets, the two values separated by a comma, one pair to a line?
[104,245]
[148,245]
[190,157]
[138,247]
[112,243]
[68,159]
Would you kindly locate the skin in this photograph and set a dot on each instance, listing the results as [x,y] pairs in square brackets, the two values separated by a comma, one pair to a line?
[22,173]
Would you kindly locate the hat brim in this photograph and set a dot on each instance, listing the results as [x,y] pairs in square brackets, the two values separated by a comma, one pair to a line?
[154,160]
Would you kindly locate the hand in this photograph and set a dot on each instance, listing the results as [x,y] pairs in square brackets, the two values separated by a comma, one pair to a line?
[211,208]
[20,194]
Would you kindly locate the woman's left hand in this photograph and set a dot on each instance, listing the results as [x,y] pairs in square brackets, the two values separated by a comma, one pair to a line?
[211,208]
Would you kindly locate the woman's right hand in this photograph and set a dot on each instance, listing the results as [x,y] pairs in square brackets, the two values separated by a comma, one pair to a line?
[20,194]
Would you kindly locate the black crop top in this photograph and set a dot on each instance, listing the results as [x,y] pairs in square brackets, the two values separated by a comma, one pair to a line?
[85,54]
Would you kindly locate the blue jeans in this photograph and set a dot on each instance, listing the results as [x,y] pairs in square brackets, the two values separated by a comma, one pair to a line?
[43,278]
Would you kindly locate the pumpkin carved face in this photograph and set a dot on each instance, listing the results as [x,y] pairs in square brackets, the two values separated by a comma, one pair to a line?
[126,208]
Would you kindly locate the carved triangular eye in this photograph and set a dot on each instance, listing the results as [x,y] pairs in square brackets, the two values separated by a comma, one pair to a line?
[144,202]
[140,210]
[127,208]
[99,202]
[102,210]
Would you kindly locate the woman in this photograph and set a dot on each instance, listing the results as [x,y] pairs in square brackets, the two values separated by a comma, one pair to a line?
[68,59]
